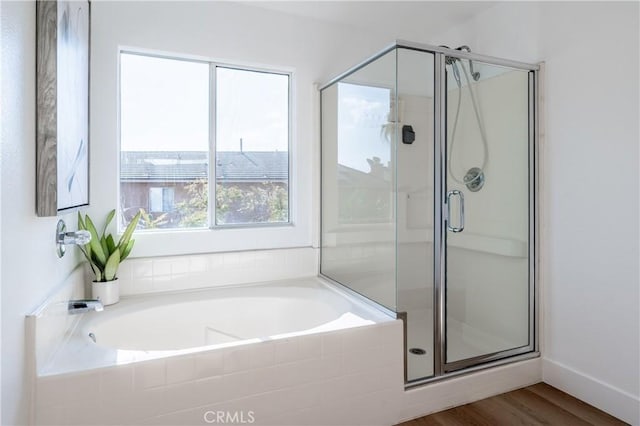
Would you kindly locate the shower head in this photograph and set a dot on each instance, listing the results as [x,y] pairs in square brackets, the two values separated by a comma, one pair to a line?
[474,74]
[456,71]
[450,60]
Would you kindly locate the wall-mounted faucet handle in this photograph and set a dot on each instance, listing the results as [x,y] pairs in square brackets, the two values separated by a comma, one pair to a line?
[84,305]
[74,237]
[64,238]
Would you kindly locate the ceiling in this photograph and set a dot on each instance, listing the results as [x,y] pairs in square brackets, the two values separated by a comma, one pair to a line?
[413,20]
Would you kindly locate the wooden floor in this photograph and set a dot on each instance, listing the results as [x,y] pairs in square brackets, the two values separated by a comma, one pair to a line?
[539,404]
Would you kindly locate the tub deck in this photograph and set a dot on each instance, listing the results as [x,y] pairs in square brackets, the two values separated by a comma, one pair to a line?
[147,327]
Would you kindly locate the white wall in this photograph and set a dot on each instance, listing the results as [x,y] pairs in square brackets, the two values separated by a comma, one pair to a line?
[592,292]
[1,137]
[589,185]
[30,266]
[591,309]
[233,33]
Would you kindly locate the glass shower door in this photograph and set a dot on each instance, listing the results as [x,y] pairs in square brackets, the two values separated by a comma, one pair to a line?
[487,206]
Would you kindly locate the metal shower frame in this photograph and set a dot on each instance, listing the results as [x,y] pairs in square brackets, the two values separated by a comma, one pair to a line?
[442,369]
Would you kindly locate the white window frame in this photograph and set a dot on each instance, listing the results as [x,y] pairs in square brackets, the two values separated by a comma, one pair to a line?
[212,184]
[212,145]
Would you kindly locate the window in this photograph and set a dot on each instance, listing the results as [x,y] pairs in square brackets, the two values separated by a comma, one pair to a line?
[171,112]
[161,200]
[252,138]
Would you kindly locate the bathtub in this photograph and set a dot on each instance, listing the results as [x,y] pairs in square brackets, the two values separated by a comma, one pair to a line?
[290,352]
[169,324]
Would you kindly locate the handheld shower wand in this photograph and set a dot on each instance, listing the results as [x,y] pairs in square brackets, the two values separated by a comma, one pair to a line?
[474,178]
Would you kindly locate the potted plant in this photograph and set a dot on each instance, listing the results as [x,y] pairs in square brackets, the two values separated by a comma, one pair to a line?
[104,256]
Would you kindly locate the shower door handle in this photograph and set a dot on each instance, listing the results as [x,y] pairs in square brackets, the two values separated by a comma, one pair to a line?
[460,227]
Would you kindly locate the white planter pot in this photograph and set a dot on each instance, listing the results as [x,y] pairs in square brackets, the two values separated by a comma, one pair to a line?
[108,292]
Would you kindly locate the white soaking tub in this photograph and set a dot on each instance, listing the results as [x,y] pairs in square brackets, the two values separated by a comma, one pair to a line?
[282,353]
[224,317]
[174,323]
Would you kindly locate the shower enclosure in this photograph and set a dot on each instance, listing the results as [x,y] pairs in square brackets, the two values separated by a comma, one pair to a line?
[428,201]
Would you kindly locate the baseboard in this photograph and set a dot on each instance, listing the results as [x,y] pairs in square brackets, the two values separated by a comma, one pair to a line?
[456,391]
[612,400]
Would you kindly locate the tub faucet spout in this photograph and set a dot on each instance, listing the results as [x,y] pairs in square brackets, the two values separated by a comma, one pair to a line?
[84,305]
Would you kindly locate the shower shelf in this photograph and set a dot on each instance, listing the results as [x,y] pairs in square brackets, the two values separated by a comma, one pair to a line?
[469,241]
[487,244]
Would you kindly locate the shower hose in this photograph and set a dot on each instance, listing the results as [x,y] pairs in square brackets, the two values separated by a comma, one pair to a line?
[476,110]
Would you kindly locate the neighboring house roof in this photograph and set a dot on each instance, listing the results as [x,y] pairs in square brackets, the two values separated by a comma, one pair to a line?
[252,165]
[232,166]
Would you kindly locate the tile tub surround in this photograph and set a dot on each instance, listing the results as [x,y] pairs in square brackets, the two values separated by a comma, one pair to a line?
[91,384]
[170,273]
[327,378]
[48,325]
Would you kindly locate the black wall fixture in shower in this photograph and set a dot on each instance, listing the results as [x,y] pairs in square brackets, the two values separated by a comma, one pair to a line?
[408,135]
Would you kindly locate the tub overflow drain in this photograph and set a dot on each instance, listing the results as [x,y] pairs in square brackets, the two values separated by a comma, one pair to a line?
[417,351]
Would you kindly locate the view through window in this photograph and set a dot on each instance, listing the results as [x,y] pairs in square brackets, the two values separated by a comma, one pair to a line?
[170,114]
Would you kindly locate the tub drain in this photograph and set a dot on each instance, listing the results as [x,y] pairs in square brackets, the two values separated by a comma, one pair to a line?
[417,351]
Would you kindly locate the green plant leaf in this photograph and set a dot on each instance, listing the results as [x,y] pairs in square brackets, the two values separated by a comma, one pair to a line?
[97,272]
[81,222]
[111,245]
[111,268]
[94,268]
[96,262]
[124,240]
[96,247]
[110,216]
[127,250]
[86,255]
[105,247]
